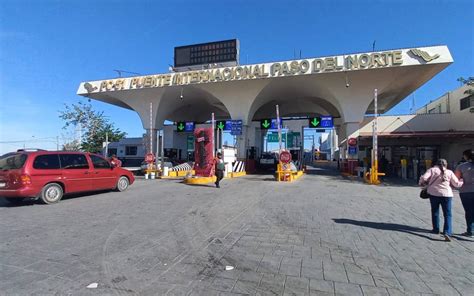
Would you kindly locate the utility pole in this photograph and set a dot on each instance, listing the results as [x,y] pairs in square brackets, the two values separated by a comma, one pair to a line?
[279,128]
[106,144]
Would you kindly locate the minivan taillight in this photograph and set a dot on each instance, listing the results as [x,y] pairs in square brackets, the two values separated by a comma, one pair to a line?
[25,180]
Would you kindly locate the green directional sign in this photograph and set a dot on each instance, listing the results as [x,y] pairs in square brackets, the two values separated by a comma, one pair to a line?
[265,123]
[220,125]
[315,122]
[272,138]
[181,126]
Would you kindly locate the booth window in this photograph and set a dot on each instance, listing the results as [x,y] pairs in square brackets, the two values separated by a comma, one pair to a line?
[130,150]
[467,102]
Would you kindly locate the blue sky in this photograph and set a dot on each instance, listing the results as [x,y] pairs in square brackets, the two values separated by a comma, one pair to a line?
[48,47]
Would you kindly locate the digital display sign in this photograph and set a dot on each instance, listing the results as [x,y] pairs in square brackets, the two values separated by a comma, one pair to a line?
[206,53]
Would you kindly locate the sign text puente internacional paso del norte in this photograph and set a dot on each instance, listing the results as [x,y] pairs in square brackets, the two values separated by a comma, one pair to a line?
[350,62]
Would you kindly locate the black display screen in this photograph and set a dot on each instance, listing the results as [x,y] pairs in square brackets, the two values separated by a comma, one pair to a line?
[206,53]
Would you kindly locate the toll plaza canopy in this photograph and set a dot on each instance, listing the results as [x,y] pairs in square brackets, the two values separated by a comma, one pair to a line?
[340,86]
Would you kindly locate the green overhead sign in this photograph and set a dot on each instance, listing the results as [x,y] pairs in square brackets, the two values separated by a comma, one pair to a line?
[180,126]
[220,125]
[265,123]
[315,122]
[273,138]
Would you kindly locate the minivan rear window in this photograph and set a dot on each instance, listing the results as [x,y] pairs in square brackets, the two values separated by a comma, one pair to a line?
[73,161]
[12,161]
[46,162]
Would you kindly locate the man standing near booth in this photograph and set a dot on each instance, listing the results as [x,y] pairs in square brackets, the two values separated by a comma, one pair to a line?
[219,168]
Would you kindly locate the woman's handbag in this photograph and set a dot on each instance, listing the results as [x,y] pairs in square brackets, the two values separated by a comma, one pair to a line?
[424,193]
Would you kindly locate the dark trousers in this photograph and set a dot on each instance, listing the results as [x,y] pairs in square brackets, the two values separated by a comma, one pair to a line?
[445,203]
[219,175]
[467,199]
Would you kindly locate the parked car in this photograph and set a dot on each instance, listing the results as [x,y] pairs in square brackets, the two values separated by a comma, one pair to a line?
[268,161]
[48,175]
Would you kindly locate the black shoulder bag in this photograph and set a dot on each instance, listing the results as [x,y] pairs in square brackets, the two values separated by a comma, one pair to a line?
[424,192]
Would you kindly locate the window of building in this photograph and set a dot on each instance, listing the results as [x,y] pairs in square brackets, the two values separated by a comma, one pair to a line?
[431,111]
[99,162]
[467,102]
[46,162]
[111,151]
[73,161]
[130,150]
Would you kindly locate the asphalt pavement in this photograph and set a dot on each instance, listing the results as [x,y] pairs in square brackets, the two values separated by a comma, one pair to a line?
[320,235]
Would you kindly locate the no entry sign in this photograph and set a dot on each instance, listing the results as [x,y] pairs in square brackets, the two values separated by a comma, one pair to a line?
[352,142]
[285,156]
[150,157]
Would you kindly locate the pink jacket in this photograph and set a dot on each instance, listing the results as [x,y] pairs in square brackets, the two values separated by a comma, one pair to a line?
[440,185]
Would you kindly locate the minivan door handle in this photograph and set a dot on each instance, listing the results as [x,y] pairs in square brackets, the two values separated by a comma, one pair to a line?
[86,173]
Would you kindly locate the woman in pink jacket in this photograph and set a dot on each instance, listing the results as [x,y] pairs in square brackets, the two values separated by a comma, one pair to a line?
[439,181]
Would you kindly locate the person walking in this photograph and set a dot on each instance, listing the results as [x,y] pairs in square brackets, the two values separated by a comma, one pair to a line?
[439,180]
[115,161]
[465,171]
[220,168]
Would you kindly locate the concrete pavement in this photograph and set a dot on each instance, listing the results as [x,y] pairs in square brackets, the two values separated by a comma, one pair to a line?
[321,235]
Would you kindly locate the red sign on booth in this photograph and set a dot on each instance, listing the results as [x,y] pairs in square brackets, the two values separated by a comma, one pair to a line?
[203,145]
[352,142]
[285,156]
[150,157]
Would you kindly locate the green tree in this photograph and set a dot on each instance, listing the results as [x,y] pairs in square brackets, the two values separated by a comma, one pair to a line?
[93,125]
[470,82]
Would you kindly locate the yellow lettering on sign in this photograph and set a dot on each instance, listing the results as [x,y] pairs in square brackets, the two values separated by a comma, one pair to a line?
[352,63]
[329,64]
[377,61]
[227,74]
[304,66]
[103,85]
[263,72]
[148,81]
[238,72]
[318,66]
[364,60]
[338,66]
[294,67]
[275,68]
[397,58]
[218,75]
[203,76]
[194,77]
[167,80]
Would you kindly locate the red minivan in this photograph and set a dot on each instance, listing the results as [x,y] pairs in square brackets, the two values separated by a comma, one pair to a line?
[48,175]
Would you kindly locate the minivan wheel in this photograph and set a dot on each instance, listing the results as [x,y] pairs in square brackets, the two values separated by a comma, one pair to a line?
[51,193]
[122,184]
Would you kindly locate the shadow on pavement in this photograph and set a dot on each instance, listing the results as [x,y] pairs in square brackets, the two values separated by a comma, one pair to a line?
[30,201]
[389,226]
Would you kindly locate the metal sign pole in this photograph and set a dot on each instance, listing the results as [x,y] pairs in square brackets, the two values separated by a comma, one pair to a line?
[213,123]
[279,128]
[162,149]
[151,128]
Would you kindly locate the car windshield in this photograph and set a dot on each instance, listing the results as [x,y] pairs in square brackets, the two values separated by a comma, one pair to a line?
[12,161]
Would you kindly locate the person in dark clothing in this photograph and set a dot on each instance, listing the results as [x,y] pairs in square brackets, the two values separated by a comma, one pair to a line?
[220,168]
[465,171]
